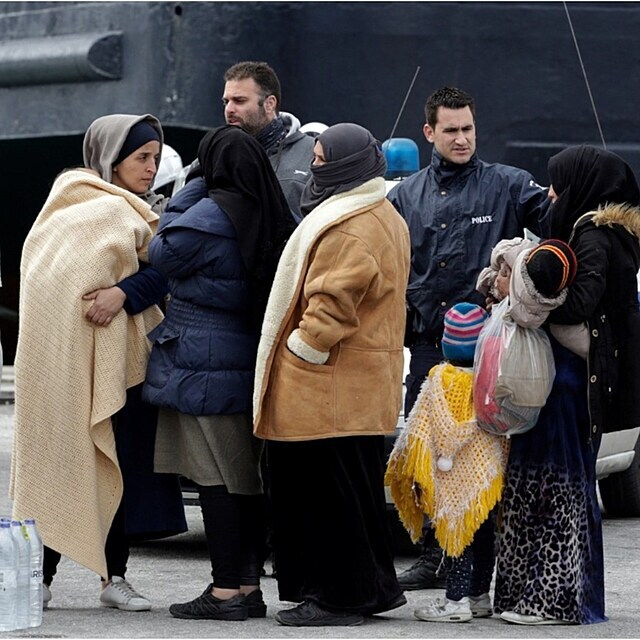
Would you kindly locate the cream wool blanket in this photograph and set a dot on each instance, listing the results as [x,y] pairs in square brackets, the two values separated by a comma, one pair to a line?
[72,376]
[292,267]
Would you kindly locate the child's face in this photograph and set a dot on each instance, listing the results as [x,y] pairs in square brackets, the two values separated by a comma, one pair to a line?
[502,280]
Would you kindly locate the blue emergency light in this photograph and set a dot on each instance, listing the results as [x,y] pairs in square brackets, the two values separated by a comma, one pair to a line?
[403,157]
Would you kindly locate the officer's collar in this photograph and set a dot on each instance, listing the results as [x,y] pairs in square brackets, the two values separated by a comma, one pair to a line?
[448,170]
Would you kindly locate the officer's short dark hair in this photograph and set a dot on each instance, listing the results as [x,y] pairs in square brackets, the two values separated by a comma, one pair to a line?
[450,98]
[261,73]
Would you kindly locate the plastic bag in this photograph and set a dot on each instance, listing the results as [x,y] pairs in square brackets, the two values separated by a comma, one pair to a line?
[514,372]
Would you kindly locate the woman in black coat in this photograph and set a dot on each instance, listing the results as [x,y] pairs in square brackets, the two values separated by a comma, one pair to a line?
[550,566]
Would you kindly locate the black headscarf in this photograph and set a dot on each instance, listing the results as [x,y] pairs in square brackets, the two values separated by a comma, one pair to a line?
[584,178]
[242,183]
[353,157]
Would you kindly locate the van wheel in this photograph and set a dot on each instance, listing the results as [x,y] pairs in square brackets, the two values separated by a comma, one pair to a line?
[620,492]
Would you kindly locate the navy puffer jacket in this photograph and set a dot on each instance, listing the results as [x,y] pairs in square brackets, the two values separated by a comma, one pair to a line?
[203,356]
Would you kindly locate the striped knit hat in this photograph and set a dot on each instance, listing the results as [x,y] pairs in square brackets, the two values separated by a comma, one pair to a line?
[462,326]
[551,266]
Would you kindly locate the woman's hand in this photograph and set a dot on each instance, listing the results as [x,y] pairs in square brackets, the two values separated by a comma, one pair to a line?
[106,304]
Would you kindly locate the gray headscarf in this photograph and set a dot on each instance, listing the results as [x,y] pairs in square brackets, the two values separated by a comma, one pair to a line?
[106,135]
[353,157]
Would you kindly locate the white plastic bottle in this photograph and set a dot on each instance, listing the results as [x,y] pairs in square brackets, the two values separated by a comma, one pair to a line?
[24,563]
[8,578]
[35,583]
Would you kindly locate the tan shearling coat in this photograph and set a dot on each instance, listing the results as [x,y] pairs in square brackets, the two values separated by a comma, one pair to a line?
[330,359]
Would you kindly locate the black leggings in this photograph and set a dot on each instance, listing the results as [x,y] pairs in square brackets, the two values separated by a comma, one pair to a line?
[235,530]
[470,574]
[116,551]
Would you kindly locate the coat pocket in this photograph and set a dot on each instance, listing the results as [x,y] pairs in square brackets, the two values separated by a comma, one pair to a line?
[164,341]
[301,398]
[162,333]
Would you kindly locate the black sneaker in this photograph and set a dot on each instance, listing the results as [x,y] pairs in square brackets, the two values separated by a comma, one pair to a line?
[425,573]
[309,614]
[394,604]
[255,604]
[208,607]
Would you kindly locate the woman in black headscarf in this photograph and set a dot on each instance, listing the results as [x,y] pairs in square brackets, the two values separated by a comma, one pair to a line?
[550,564]
[218,243]
[329,386]
[240,183]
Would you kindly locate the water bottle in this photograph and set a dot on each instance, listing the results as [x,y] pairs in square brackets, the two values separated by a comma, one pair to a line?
[24,566]
[8,578]
[35,582]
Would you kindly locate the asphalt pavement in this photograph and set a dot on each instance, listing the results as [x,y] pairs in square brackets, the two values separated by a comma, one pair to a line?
[177,569]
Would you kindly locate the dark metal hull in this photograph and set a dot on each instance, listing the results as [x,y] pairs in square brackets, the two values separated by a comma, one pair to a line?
[62,64]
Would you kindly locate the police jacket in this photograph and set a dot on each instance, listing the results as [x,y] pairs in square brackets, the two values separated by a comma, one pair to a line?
[456,214]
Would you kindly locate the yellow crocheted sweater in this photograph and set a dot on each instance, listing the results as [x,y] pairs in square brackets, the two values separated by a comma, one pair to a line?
[444,465]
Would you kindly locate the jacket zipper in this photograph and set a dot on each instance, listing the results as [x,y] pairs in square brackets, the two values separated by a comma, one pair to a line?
[590,441]
[588,215]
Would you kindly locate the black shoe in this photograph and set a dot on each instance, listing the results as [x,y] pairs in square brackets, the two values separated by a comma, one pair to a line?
[255,604]
[394,604]
[208,607]
[424,573]
[309,614]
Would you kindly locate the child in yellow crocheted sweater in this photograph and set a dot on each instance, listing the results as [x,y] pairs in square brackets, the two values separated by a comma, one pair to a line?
[445,466]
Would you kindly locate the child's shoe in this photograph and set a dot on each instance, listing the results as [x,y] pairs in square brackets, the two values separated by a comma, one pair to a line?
[481,606]
[445,610]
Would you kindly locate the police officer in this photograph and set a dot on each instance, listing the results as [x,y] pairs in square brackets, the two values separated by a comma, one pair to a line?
[457,210]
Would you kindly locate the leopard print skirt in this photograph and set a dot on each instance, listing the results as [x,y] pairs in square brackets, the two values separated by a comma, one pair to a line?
[550,559]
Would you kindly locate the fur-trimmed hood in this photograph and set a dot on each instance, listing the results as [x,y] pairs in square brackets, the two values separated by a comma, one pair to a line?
[622,219]
[612,215]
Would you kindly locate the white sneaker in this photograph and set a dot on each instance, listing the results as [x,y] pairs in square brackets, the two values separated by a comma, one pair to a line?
[445,610]
[481,606]
[46,596]
[121,595]
[520,618]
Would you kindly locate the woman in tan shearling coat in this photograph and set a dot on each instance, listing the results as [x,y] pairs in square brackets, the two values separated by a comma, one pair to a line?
[328,386]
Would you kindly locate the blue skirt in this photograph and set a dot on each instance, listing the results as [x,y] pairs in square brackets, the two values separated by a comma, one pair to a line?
[152,501]
[550,558]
